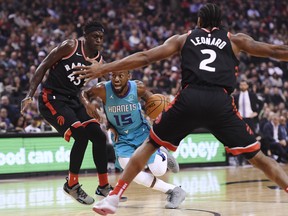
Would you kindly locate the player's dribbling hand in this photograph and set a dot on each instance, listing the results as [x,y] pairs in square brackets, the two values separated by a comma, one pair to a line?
[25,103]
[90,72]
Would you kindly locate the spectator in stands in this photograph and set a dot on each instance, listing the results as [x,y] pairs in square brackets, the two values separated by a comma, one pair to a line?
[5,122]
[12,110]
[3,60]
[19,124]
[248,105]
[164,83]
[34,127]
[2,76]
[264,117]
[277,96]
[267,97]
[276,80]
[273,139]
[16,90]
[283,129]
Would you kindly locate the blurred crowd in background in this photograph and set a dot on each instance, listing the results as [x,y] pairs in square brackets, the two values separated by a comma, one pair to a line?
[29,30]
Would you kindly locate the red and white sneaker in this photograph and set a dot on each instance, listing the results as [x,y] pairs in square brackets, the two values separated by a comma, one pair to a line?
[108,205]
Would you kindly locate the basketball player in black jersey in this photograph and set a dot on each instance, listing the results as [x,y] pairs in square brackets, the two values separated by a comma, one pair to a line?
[209,66]
[60,106]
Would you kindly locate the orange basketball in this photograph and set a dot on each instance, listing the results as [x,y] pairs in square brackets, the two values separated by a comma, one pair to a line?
[155,104]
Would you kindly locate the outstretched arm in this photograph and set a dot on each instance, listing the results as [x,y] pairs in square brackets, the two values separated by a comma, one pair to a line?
[62,50]
[170,47]
[245,43]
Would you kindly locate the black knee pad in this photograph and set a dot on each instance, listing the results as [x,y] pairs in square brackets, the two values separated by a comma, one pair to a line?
[79,134]
[95,133]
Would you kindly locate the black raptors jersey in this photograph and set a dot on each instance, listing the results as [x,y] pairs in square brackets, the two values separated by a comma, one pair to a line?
[61,80]
[208,59]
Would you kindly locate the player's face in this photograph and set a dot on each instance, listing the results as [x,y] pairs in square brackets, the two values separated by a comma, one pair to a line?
[119,81]
[95,39]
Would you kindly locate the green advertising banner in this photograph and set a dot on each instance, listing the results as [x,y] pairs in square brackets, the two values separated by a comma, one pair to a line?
[40,154]
[200,148]
[37,154]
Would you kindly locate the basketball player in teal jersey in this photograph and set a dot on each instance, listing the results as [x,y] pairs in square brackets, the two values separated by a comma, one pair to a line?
[120,98]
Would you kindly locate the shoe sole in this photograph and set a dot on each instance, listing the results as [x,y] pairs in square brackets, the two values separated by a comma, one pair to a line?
[103,211]
[122,199]
[174,207]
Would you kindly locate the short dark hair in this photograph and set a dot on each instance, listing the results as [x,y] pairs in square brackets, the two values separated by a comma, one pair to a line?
[92,26]
[210,15]
[37,118]
[244,80]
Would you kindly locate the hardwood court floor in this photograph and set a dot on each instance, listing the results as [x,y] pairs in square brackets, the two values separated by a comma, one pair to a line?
[214,191]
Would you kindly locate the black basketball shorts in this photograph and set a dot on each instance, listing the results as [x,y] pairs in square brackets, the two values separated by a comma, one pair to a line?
[63,112]
[204,107]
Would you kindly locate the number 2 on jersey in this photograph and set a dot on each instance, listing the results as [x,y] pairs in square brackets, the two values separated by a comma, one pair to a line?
[204,63]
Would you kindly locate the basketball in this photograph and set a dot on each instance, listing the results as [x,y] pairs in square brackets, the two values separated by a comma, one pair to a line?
[155,104]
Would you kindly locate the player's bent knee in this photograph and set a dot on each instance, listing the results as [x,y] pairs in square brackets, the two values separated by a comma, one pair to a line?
[145,179]
[79,133]
[95,133]
[159,166]
[123,162]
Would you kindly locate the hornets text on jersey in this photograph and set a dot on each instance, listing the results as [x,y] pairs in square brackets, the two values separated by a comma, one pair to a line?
[124,113]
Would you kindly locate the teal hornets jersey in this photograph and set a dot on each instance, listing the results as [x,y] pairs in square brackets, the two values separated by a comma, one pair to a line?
[124,113]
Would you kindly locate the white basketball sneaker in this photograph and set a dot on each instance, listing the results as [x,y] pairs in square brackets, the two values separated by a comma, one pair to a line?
[175,198]
[108,205]
[172,164]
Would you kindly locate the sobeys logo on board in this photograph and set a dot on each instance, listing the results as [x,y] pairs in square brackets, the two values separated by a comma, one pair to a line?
[203,149]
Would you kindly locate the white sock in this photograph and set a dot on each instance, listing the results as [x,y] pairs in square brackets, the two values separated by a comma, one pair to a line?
[147,179]
[160,185]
